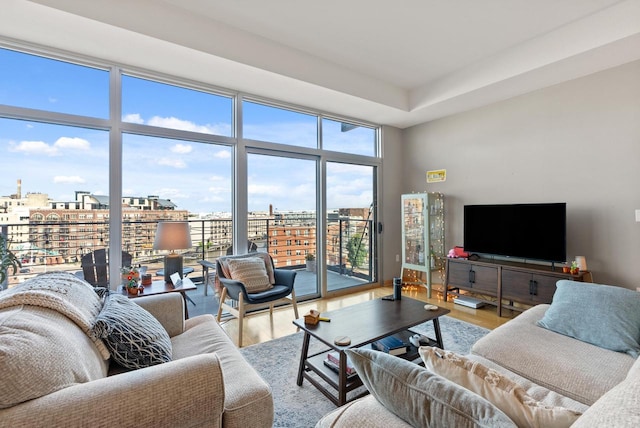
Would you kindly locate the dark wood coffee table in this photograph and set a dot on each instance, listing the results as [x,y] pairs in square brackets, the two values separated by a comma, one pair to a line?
[364,323]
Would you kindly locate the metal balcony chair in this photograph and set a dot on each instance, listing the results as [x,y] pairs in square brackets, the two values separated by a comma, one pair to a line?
[95,266]
[236,291]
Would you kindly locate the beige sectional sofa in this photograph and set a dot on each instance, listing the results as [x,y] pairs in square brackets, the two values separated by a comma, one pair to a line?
[601,386]
[55,375]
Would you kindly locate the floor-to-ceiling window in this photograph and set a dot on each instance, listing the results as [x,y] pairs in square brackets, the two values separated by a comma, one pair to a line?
[175,167]
[122,149]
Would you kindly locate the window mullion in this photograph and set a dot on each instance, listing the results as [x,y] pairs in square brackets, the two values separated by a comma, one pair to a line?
[115,174]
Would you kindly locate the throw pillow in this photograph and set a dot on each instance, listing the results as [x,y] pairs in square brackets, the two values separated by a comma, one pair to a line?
[504,393]
[602,315]
[422,398]
[252,272]
[134,337]
[43,351]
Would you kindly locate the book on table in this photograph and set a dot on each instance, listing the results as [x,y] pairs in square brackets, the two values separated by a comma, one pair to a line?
[333,362]
[391,345]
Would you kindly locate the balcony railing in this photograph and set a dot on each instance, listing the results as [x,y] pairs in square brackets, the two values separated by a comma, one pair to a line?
[43,246]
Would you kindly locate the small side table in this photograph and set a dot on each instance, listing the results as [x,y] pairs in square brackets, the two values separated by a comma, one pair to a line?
[185,271]
[161,287]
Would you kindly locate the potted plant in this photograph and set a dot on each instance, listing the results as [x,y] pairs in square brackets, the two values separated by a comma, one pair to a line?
[574,268]
[310,259]
[130,279]
[8,260]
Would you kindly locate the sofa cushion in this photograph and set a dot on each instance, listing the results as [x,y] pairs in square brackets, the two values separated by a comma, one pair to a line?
[251,271]
[603,315]
[248,400]
[617,408]
[570,367]
[43,351]
[422,398]
[366,412]
[504,393]
[133,336]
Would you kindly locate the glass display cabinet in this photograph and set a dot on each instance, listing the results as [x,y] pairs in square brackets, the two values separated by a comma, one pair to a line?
[422,237]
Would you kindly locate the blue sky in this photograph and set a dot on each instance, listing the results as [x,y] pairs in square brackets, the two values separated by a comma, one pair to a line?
[59,160]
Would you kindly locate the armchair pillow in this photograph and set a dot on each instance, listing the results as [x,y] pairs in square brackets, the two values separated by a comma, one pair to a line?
[504,393]
[603,315]
[252,272]
[420,397]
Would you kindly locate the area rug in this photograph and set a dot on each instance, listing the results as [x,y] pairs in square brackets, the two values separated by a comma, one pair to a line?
[302,406]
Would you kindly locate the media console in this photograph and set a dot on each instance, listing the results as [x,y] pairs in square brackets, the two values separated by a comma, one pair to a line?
[497,282]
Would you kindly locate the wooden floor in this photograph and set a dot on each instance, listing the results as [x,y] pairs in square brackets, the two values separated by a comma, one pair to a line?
[261,327]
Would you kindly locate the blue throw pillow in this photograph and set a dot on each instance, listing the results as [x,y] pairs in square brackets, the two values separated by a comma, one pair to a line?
[603,315]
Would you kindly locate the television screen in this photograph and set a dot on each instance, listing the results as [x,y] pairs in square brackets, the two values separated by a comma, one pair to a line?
[528,231]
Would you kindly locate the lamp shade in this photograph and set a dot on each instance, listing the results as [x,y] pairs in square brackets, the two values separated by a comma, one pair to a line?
[172,235]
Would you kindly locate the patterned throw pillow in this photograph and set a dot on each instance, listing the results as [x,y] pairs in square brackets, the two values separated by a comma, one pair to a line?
[135,339]
[251,272]
[504,393]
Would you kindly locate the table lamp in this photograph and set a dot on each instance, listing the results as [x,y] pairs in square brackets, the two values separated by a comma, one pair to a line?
[172,235]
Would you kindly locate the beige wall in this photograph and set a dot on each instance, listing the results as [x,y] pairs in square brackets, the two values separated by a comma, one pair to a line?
[577,142]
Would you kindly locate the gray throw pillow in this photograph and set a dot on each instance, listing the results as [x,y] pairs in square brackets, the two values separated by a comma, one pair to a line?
[134,338]
[603,315]
[422,398]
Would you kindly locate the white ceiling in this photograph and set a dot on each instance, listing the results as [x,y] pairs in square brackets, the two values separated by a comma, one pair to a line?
[395,63]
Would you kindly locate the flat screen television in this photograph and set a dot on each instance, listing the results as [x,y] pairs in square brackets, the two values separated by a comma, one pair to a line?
[527,231]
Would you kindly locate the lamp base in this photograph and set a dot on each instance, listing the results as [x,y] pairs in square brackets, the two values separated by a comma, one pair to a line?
[172,264]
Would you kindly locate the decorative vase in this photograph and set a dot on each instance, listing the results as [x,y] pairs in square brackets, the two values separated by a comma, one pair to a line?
[133,291]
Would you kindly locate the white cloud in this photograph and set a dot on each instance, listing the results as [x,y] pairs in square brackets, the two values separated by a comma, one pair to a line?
[175,123]
[133,118]
[73,143]
[217,190]
[170,193]
[53,100]
[70,179]
[33,147]
[223,154]
[264,189]
[182,148]
[42,148]
[175,163]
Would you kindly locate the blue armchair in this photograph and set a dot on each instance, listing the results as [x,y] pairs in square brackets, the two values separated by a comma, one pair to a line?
[282,290]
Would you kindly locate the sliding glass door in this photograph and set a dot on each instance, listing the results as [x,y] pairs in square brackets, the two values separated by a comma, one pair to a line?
[350,217]
[282,215]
